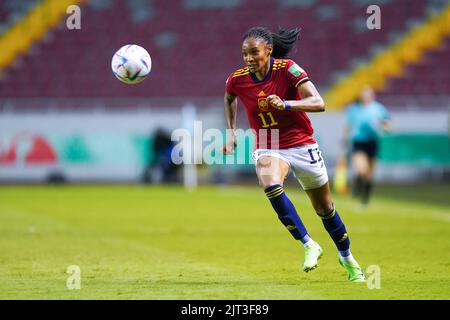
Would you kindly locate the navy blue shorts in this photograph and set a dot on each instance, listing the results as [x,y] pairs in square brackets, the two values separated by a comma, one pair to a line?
[368,147]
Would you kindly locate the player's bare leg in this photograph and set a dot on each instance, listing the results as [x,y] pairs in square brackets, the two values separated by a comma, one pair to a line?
[271,172]
[361,167]
[367,187]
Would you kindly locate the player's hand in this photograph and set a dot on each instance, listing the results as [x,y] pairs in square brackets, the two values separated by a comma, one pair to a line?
[229,147]
[276,102]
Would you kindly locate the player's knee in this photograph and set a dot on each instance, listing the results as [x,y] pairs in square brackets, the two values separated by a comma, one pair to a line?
[365,175]
[269,183]
[323,209]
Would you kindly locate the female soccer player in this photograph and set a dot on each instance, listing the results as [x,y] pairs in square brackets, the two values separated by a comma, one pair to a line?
[366,120]
[276,93]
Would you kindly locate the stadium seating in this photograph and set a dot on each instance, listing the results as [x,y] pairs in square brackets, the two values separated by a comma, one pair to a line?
[195,45]
[12,10]
[430,77]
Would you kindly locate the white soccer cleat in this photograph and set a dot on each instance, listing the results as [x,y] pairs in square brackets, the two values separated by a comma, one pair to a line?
[313,252]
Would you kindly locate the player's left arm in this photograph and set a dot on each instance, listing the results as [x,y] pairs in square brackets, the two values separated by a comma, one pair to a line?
[311,100]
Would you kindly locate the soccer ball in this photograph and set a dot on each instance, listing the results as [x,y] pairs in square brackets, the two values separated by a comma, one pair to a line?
[131,64]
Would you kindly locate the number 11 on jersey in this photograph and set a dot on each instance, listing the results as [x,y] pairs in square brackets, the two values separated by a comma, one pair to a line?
[264,122]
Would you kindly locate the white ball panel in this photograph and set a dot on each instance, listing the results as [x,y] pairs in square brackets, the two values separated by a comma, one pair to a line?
[131,64]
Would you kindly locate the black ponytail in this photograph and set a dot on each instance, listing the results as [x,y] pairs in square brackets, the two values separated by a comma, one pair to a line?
[282,42]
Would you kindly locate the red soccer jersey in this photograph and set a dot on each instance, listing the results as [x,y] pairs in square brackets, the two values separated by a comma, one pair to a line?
[283,79]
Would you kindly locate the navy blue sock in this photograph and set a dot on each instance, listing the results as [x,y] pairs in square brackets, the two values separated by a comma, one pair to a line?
[336,228]
[286,212]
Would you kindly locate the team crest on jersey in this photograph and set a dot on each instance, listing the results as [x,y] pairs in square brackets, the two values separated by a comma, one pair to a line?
[262,101]
[295,70]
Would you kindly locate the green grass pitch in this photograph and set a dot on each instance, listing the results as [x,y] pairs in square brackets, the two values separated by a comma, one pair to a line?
[144,242]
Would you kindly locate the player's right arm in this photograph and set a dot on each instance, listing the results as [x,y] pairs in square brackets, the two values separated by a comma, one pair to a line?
[230,102]
[346,137]
[385,119]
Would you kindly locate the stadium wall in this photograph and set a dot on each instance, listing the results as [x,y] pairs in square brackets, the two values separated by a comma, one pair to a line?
[105,146]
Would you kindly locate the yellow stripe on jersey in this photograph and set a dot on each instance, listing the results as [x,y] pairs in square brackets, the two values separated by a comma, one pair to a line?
[241,70]
[301,81]
[240,74]
[279,65]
